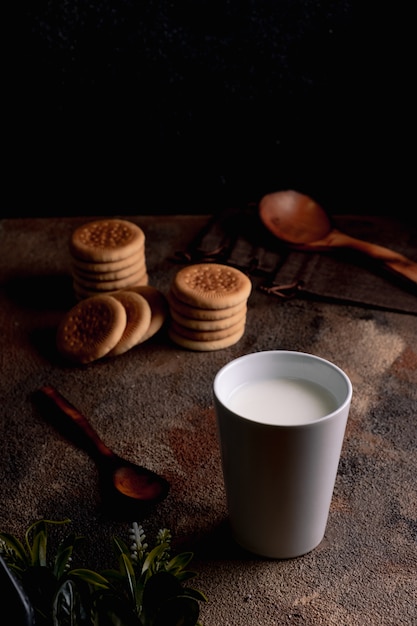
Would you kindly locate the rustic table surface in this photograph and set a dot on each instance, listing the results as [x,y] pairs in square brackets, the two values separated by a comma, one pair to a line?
[153,405]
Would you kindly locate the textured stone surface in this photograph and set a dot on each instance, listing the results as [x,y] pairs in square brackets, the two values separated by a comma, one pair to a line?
[153,405]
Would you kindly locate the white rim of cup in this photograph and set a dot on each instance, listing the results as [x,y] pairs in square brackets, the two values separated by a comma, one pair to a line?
[309,355]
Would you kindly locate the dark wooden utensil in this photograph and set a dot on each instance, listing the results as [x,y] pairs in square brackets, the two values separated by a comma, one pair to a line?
[131,483]
[297,219]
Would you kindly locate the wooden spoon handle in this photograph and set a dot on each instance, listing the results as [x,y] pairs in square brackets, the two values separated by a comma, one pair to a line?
[393,260]
[68,410]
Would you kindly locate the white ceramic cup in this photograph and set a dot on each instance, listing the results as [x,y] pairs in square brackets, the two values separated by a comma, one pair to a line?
[281,418]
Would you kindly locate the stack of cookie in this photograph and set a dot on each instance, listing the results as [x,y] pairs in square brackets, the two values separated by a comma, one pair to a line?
[208,306]
[108,325]
[107,255]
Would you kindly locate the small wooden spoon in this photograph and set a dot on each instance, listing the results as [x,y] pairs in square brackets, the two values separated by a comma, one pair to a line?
[300,221]
[130,482]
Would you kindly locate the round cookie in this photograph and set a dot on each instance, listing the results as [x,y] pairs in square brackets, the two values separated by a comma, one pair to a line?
[91,329]
[158,305]
[209,325]
[83,292]
[138,314]
[198,313]
[206,335]
[109,266]
[106,240]
[112,285]
[211,286]
[205,346]
[110,275]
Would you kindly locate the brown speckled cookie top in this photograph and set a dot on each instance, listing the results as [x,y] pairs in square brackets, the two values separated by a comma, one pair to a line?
[106,240]
[211,285]
[91,329]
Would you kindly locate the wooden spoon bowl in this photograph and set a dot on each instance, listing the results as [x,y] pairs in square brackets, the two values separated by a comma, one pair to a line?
[301,222]
[124,484]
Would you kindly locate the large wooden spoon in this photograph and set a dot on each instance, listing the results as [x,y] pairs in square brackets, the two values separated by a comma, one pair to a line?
[130,482]
[297,219]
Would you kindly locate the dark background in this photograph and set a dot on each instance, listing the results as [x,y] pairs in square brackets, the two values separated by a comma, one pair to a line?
[131,107]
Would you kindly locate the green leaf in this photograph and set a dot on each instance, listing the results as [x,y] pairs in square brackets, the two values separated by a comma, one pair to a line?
[20,556]
[64,553]
[154,558]
[62,561]
[91,577]
[129,576]
[126,565]
[179,562]
[38,550]
[121,546]
[185,575]
[65,605]
[152,581]
[113,574]
[194,593]
[73,605]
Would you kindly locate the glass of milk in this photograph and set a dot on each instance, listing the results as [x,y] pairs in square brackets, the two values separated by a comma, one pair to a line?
[281,418]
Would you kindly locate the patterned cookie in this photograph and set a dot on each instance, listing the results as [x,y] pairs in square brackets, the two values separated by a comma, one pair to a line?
[205,346]
[100,277]
[138,314]
[106,240]
[206,335]
[209,325]
[83,292]
[108,266]
[159,308]
[112,285]
[211,285]
[198,313]
[91,329]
